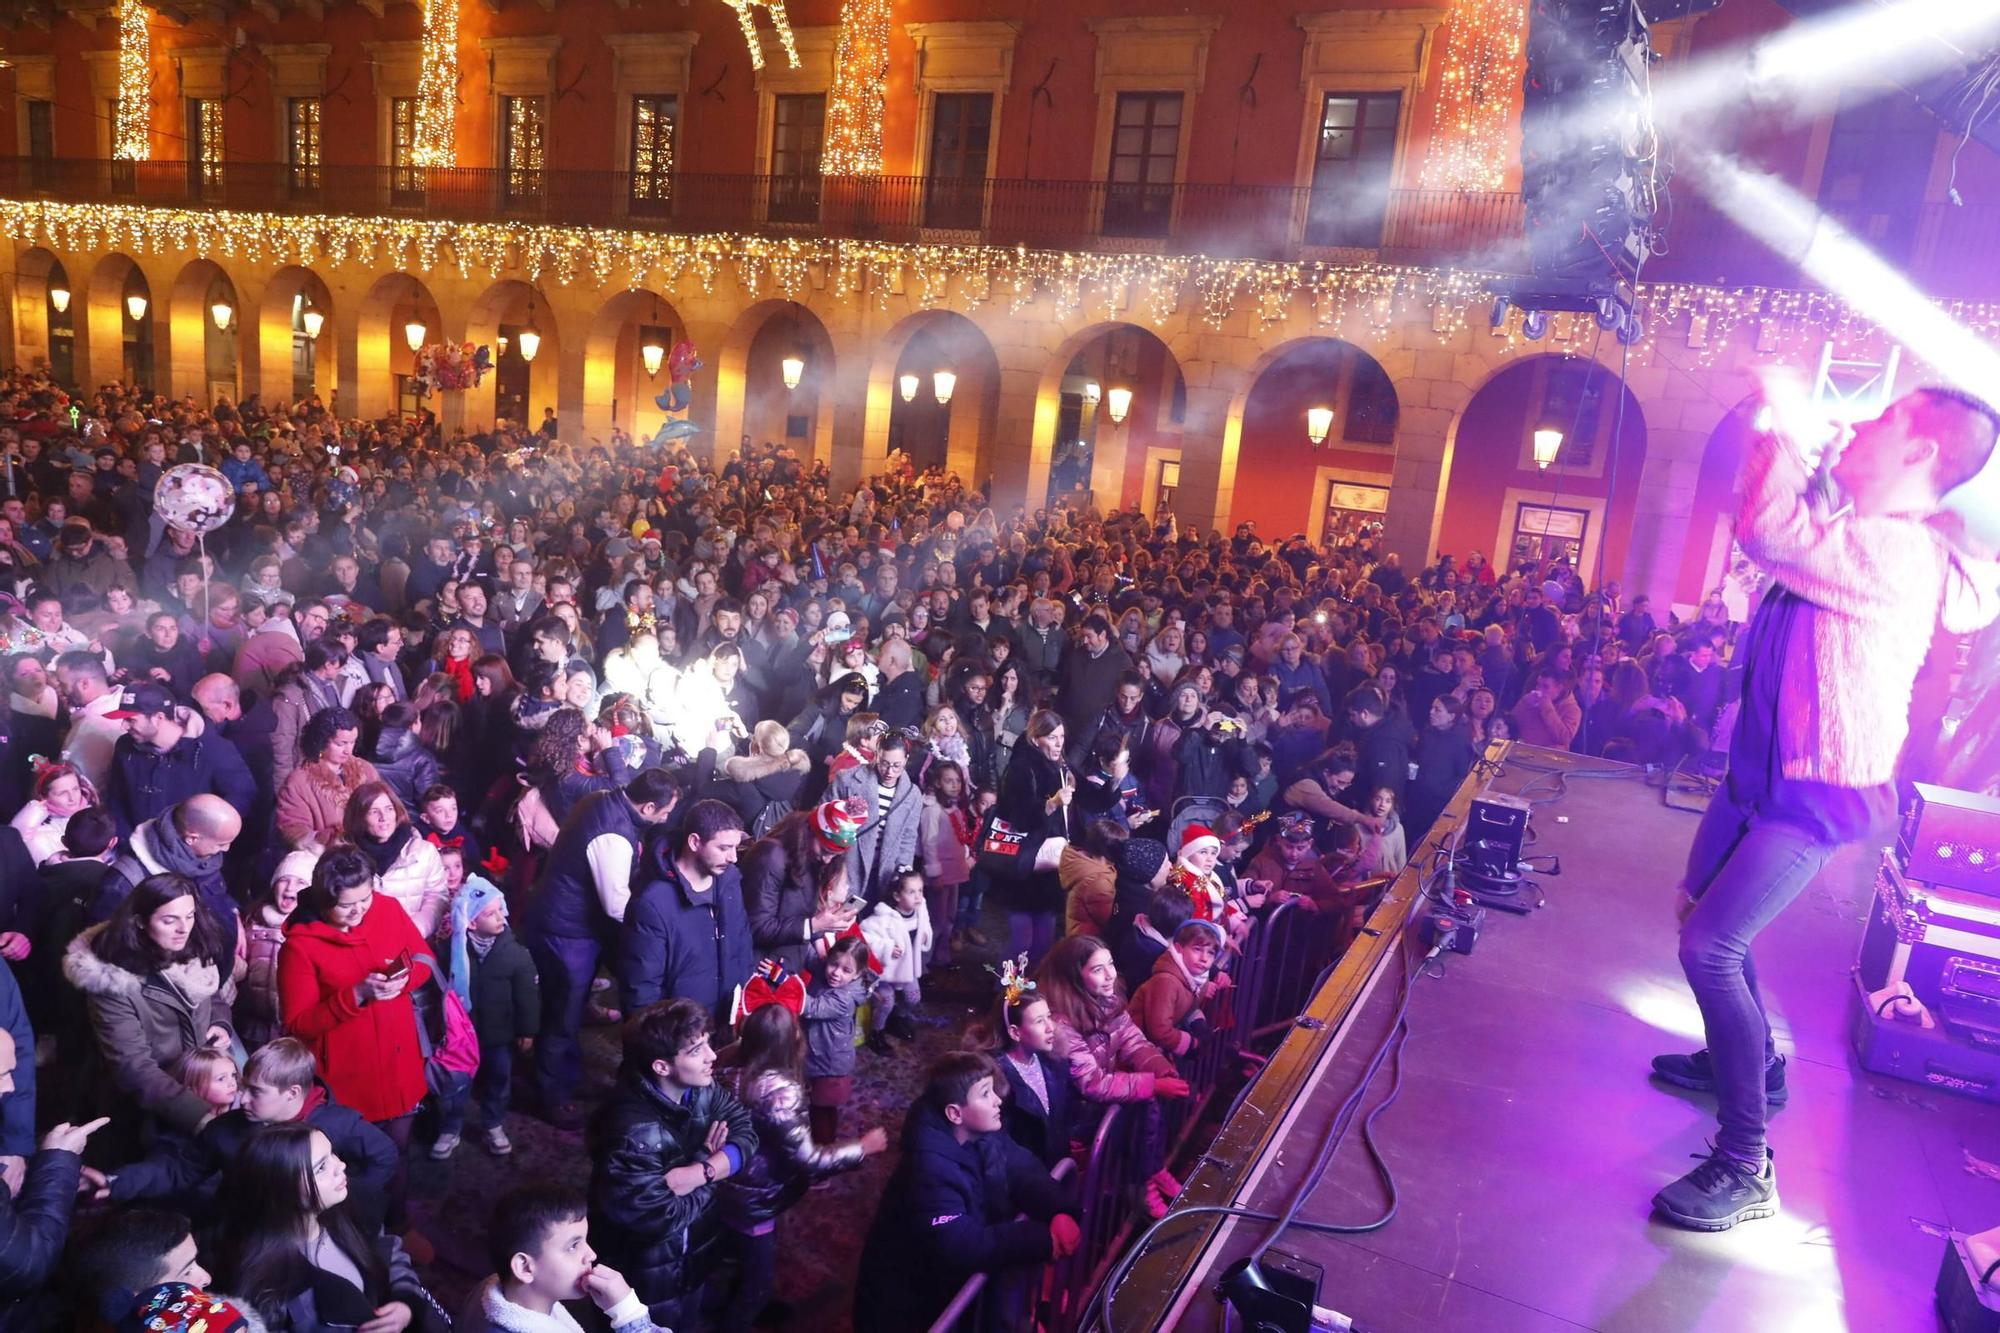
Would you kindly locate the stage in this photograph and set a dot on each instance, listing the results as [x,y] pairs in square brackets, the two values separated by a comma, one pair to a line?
[1527,1139]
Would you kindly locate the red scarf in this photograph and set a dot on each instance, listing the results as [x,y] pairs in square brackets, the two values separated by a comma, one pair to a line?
[460,671]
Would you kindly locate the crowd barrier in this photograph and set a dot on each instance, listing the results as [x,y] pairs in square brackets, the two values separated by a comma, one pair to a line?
[1284,959]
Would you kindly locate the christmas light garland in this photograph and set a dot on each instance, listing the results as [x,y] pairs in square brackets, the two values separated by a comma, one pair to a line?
[1478,93]
[860,88]
[436,139]
[1352,298]
[780,23]
[135,77]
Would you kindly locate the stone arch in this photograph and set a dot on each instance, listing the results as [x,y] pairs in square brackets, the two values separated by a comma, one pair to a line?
[203,359]
[288,359]
[381,351]
[1711,523]
[1492,485]
[617,391]
[119,347]
[497,320]
[44,335]
[957,435]
[1269,455]
[750,396]
[1113,354]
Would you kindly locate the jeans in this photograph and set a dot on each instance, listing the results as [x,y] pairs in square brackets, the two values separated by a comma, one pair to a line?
[492,1088]
[1030,933]
[756,1280]
[565,966]
[1743,870]
[970,899]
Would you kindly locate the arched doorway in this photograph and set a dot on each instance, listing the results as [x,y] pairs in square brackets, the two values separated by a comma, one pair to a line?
[1545,468]
[934,394]
[397,316]
[297,349]
[47,314]
[1286,480]
[519,325]
[774,383]
[619,386]
[122,319]
[203,322]
[1108,421]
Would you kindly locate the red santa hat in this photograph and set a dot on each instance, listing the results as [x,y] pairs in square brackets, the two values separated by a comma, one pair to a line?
[1196,836]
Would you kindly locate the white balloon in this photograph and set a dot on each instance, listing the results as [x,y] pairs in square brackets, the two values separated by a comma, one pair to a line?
[194,498]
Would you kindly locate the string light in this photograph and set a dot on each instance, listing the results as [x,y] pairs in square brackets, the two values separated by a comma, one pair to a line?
[1478,96]
[860,88]
[135,77]
[1351,300]
[780,23]
[436,137]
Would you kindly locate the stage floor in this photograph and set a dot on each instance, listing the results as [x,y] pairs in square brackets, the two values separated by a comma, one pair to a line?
[1528,1140]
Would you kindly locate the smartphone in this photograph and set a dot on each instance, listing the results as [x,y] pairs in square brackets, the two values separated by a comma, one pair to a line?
[396,966]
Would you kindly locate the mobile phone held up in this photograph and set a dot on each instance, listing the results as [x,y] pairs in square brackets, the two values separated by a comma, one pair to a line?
[395,967]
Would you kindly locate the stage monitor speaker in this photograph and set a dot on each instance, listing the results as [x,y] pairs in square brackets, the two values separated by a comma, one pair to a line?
[1951,839]
[1496,831]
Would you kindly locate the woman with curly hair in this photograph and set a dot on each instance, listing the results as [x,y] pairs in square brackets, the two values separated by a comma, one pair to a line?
[313,801]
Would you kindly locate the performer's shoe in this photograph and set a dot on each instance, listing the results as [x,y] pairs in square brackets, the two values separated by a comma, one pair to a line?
[1718,1194]
[1694,1071]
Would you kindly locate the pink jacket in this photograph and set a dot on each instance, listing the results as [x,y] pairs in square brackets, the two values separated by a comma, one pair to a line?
[946,859]
[1116,1064]
[1884,581]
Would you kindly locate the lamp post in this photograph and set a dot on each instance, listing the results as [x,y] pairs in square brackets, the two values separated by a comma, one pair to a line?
[222,312]
[1118,403]
[413,334]
[313,319]
[59,298]
[135,305]
[942,383]
[792,369]
[530,338]
[906,384]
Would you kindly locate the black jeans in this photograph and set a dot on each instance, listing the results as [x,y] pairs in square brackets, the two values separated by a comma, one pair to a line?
[756,1280]
[565,967]
[1742,871]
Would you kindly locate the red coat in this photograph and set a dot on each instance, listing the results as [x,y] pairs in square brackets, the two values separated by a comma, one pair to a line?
[368,1054]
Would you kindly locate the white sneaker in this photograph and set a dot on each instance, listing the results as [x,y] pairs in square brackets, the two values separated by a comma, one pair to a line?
[497,1142]
[446,1145]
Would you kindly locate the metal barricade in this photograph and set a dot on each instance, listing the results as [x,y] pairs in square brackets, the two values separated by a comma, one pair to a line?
[972,1309]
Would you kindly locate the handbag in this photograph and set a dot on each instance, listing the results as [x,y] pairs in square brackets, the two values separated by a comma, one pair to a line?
[1003,850]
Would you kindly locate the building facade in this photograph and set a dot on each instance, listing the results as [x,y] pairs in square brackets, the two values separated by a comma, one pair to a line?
[1146,257]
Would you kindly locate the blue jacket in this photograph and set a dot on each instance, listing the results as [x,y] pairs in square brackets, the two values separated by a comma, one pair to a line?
[948,1213]
[17,1108]
[242,471]
[675,944]
[145,780]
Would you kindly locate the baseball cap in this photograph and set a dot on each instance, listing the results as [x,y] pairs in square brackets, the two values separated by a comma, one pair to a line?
[146,698]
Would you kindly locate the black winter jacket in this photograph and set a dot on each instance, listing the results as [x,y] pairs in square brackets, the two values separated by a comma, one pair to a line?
[780,907]
[663,1244]
[33,1227]
[675,944]
[401,760]
[1043,1131]
[145,780]
[506,997]
[948,1213]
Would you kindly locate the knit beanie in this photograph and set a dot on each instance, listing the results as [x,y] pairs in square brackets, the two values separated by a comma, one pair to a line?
[1141,858]
[836,824]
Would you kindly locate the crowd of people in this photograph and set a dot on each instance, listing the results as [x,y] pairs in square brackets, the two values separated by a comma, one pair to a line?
[331,825]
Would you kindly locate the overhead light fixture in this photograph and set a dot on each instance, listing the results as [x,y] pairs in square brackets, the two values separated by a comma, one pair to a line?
[223,312]
[530,338]
[503,344]
[1119,402]
[652,353]
[1548,443]
[943,382]
[1319,421]
[313,319]
[907,386]
[793,369]
[135,306]
[59,298]
[413,333]
[1093,393]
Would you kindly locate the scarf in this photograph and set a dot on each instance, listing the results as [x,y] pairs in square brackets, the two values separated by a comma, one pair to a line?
[460,671]
[384,853]
[173,854]
[474,896]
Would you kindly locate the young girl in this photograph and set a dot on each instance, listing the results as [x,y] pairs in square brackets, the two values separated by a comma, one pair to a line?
[898,932]
[211,1075]
[1041,1113]
[262,937]
[829,1022]
[772,1085]
[944,742]
[864,736]
[1384,853]
[945,834]
[60,791]
[974,894]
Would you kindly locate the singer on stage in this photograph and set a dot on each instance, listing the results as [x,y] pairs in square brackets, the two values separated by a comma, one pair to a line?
[1864,562]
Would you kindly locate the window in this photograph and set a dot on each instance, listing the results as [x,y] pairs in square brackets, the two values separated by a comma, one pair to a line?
[1145,147]
[521,130]
[1170,481]
[1371,403]
[1543,532]
[406,179]
[798,131]
[302,143]
[1573,403]
[41,141]
[1351,167]
[961,133]
[1878,162]
[204,146]
[653,152]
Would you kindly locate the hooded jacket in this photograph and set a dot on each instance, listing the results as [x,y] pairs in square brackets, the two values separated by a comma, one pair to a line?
[949,1212]
[401,760]
[674,942]
[1167,1004]
[144,1023]
[658,1240]
[369,1055]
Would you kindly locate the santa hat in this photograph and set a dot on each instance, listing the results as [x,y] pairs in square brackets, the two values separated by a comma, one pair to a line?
[1196,836]
[836,824]
[771,983]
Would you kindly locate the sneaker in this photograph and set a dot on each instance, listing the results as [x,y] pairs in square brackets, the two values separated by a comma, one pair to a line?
[446,1145]
[1718,1194]
[498,1143]
[1694,1071]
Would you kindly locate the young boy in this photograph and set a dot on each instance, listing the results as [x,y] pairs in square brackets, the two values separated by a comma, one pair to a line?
[280,1084]
[138,1269]
[542,1257]
[898,932]
[437,820]
[949,1210]
[1139,948]
[1167,1007]
[494,976]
